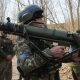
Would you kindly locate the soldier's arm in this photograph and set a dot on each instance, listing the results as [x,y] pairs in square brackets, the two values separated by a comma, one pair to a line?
[8,45]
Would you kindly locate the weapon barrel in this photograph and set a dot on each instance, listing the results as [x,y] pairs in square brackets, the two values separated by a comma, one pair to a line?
[44,33]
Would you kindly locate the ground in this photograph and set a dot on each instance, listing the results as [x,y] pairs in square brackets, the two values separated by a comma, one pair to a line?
[65,71]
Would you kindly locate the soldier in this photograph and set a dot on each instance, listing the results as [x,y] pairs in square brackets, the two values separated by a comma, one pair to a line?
[76,64]
[28,59]
[6,55]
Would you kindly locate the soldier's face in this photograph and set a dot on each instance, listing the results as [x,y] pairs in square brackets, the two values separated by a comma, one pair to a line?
[40,22]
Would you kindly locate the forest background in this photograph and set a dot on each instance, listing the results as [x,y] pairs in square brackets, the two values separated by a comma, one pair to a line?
[59,14]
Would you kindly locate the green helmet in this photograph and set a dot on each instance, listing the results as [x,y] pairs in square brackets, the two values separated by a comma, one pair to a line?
[30,13]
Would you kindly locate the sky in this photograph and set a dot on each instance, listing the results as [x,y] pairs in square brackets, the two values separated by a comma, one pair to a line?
[10,8]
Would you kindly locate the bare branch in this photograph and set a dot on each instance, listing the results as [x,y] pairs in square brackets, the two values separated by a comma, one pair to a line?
[71,13]
[78,13]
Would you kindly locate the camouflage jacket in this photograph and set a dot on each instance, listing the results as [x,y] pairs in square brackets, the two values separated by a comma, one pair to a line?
[32,60]
[6,46]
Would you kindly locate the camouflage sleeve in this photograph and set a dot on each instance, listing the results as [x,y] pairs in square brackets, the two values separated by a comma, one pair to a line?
[21,46]
[8,47]
[47,53]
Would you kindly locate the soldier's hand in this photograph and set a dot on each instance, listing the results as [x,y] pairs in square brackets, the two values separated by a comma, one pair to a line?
[9,57]
[57,51]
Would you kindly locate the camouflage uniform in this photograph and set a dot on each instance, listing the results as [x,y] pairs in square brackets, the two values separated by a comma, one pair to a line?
[6,48]
[32,60]
[75,66]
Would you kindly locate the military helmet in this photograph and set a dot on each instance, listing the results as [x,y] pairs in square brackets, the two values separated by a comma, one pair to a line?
[31,12]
